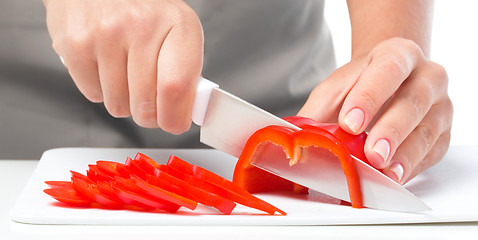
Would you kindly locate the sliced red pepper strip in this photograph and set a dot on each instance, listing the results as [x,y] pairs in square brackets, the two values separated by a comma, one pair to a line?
[53,184]
[143,158]
[95,174]
[64,192]
[133,198]
[112,168]
[134,169]
[207,198]
[292,143]
[158,192]
[79,175]
[223,186]
[131,193]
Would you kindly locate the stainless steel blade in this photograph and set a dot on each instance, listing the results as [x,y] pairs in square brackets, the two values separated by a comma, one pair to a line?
[320,170]
[230,121]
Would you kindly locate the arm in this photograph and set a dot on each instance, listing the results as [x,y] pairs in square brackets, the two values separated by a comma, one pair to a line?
[375,21]
[391,88]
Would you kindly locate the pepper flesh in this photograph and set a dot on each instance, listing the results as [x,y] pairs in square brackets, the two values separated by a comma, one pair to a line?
[292,142]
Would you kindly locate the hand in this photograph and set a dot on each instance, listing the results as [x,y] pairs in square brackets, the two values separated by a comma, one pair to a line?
[141,58]
[400,96]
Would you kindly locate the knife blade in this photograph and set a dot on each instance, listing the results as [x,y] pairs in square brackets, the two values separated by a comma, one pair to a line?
[227,122]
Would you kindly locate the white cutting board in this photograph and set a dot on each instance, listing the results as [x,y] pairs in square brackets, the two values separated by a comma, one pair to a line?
[449,188]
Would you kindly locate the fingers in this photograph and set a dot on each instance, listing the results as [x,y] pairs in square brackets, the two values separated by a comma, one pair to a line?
[389,66]
[142,60]
[82,68]
[424,146]
[113,78]
[178,68]
[418,114]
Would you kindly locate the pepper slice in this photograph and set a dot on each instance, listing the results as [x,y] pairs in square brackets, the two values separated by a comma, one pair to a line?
[64,192]
[313,134]
[221,186]
[193,190]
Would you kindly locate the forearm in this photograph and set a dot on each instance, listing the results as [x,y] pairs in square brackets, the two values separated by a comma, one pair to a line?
[373,21]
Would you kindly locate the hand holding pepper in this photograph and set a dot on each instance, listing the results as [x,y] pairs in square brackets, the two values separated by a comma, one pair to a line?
[401,96]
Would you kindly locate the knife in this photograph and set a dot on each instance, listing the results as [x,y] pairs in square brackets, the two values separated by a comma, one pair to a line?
[227,122]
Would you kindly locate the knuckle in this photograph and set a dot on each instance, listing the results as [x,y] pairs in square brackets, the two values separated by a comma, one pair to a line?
[412,47]
[421,99]
[405,44]
[427,134]
[183,16]
[395,134]
[449,109]
[78,44]
[109,30]
[439,73]
[391,66]
[446,114]
[181,12]
[398,56]
[140,18]
[367,100]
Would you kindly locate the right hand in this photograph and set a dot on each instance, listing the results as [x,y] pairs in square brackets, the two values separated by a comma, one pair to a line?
[141,58]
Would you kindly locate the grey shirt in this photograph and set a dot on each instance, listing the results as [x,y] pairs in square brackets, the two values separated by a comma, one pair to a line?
[269,52]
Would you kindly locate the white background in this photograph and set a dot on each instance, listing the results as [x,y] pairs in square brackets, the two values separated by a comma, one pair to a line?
[454,46]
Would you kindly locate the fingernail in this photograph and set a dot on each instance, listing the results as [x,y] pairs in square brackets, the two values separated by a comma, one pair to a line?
[382,148]
[354,119]
[397,169]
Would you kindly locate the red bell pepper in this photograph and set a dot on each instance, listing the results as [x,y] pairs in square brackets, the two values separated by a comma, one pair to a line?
[313,134]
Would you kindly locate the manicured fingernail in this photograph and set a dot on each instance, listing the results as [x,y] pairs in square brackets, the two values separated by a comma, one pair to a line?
[354,119]
[382,147]
[397,169]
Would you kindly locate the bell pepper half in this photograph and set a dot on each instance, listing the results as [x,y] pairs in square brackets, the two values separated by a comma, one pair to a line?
[313,134]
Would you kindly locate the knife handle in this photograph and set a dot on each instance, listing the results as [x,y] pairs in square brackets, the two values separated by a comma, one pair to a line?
[201,100]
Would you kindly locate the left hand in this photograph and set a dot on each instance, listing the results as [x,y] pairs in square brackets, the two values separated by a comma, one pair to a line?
[397,94]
